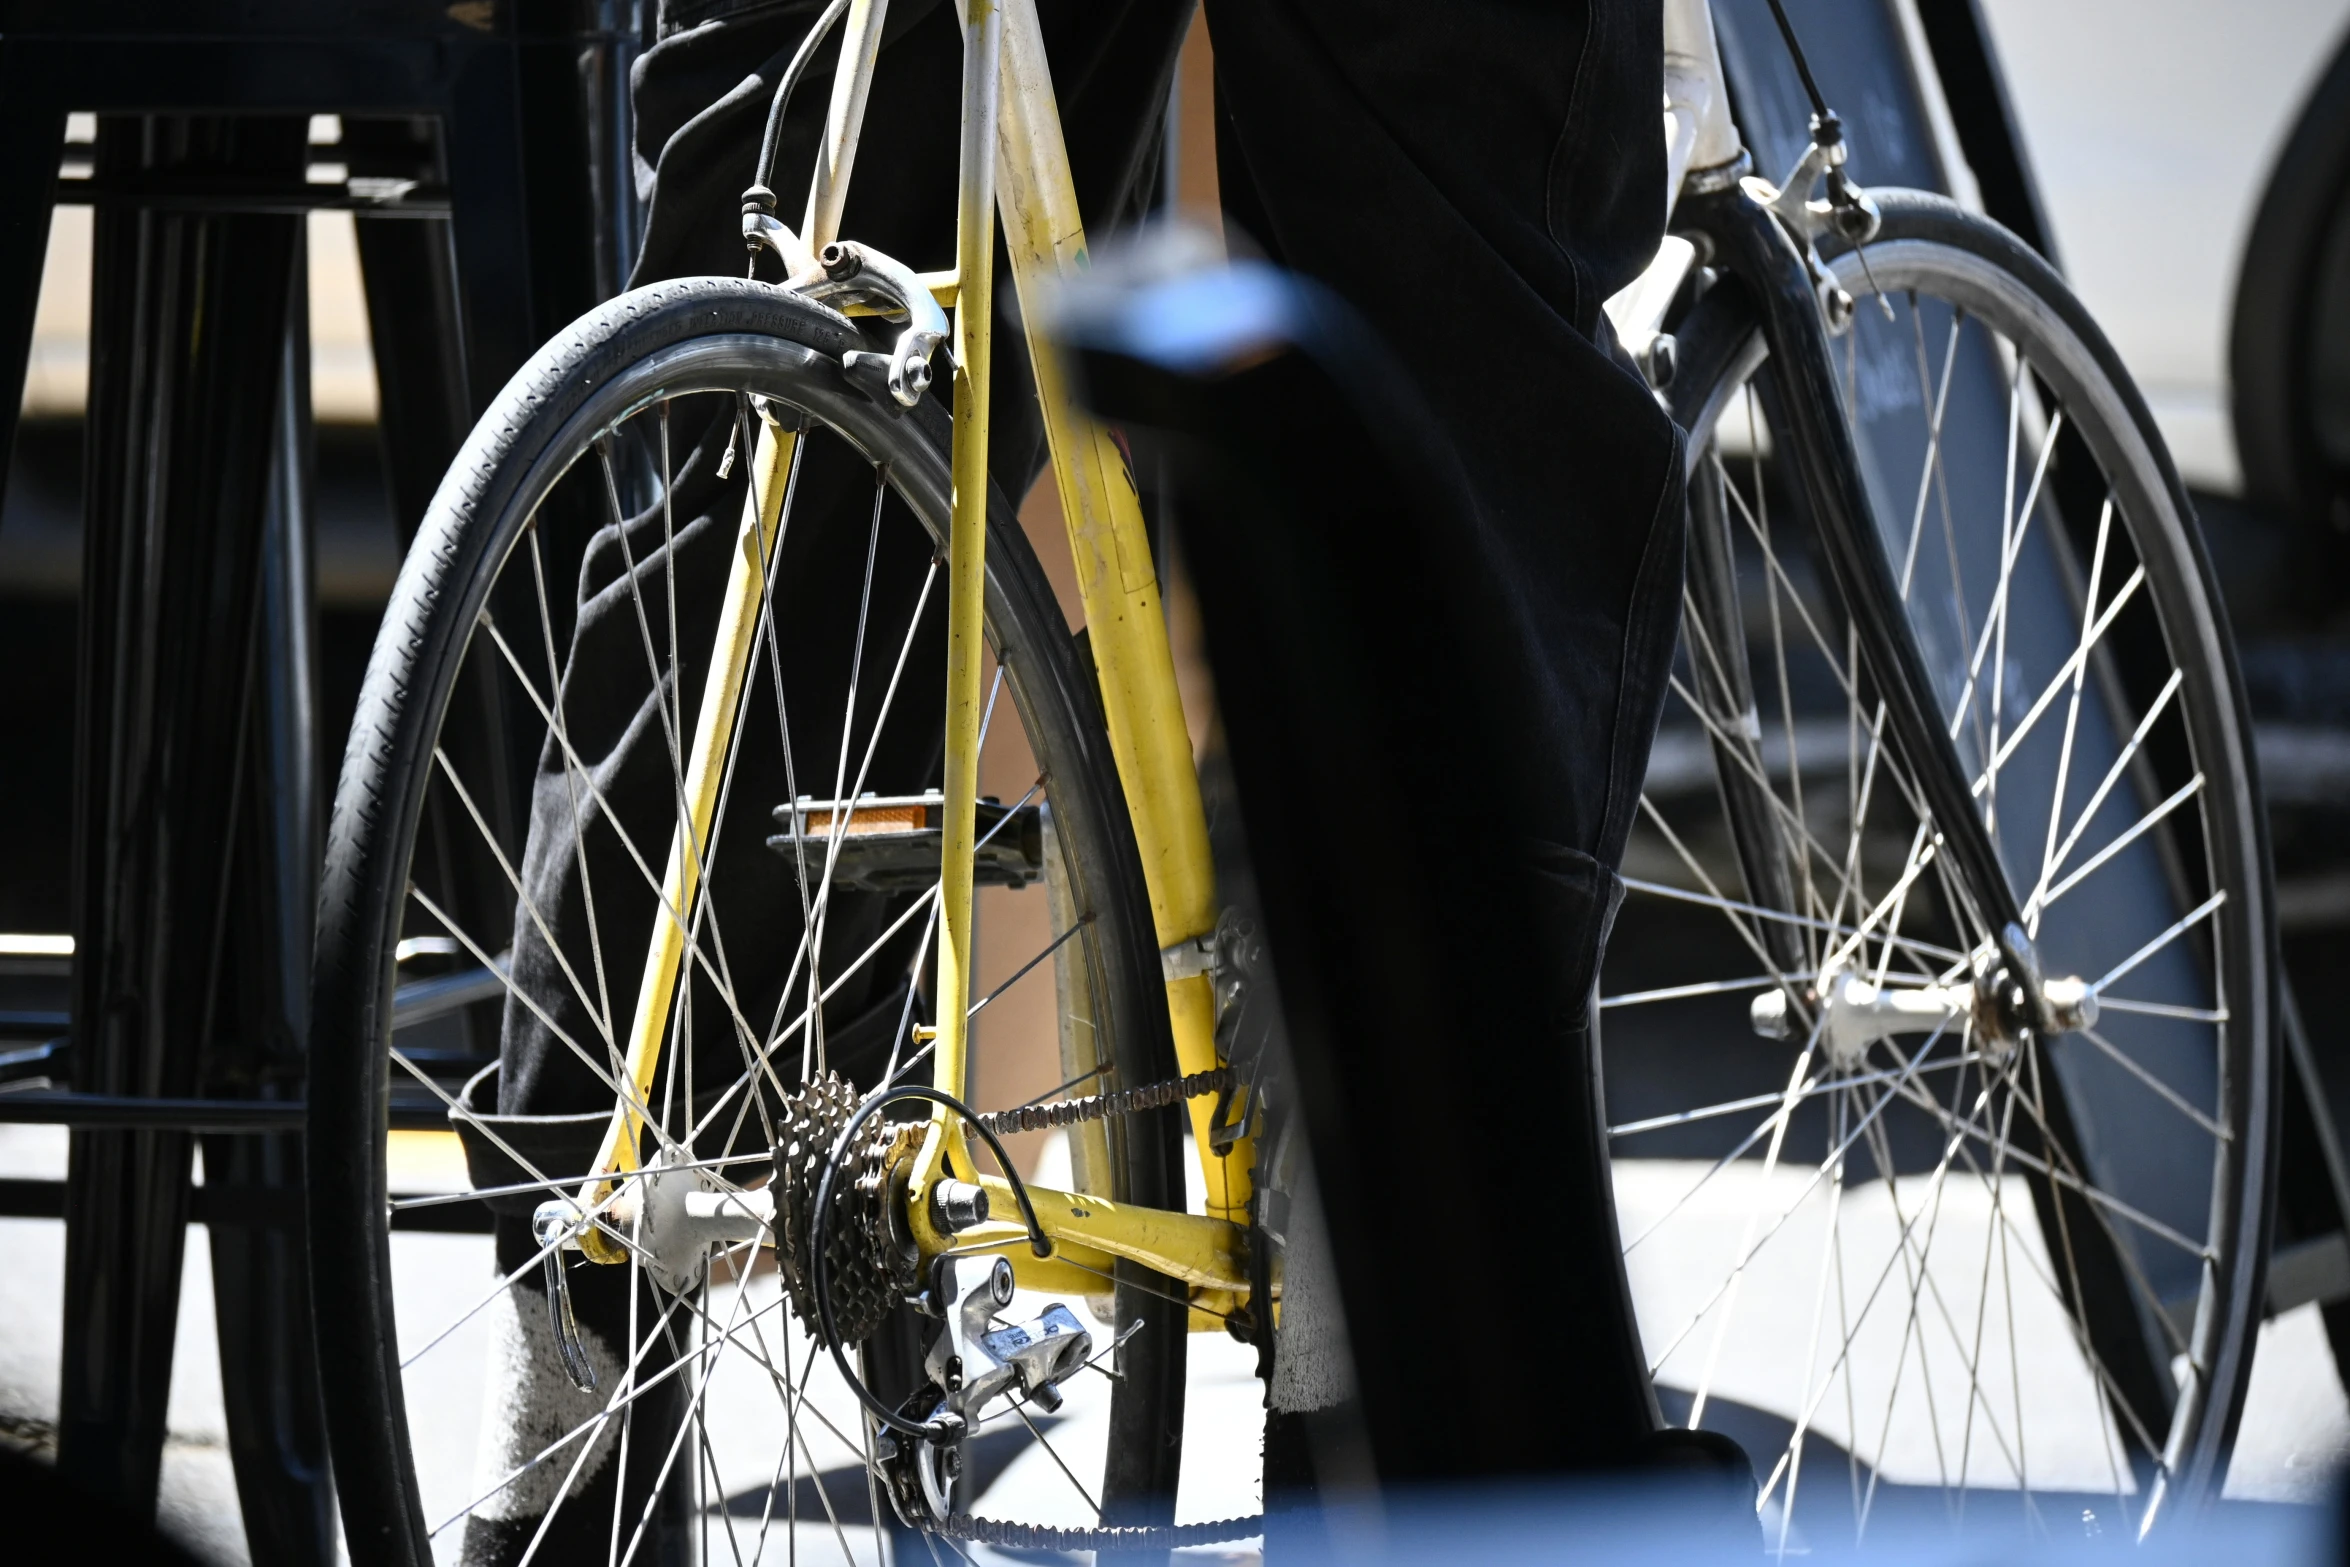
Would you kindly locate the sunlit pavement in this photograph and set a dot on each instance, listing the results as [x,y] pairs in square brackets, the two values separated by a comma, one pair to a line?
[2296,1426]
[1768,1357]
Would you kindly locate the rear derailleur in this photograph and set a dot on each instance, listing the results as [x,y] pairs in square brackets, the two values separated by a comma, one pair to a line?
[973,1362]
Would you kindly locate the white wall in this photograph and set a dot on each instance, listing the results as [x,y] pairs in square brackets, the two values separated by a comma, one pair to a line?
[2153,125]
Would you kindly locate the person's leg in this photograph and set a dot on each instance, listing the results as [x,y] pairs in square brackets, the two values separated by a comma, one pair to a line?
[701,96]
[1476,178]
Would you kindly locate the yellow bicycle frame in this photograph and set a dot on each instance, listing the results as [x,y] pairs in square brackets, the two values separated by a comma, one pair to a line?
[1013,159]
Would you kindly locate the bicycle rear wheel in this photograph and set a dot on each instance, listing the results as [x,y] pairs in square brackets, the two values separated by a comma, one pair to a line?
[512,787]
[1863,1232]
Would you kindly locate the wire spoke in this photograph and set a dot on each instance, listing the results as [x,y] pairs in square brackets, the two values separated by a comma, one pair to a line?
[1813,1088]
[1713,899]
[2144,824]
[2113,776]
[2168,1094]
[1019,1407]
[2175,930]
[1711,987]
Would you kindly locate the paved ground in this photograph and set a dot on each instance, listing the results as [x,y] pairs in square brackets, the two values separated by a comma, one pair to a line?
[2296,1429]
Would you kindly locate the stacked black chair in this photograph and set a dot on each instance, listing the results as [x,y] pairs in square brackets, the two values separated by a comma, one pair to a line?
[486,154]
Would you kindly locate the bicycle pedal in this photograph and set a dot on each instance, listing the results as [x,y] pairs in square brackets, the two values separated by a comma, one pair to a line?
[892,844]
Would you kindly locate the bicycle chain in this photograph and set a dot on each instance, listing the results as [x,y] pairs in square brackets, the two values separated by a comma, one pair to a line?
[1123,1537]
[1130,1537]
[1100,1107]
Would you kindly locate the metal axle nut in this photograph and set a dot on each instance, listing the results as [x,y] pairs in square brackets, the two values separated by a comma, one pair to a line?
[956,1206]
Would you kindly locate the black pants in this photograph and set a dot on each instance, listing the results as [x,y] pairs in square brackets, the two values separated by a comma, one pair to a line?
[1475,176]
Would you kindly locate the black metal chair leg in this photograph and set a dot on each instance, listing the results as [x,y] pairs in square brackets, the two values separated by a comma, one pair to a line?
[260,1280]
[409,268]
[30,142]
[489,210]
[189,312]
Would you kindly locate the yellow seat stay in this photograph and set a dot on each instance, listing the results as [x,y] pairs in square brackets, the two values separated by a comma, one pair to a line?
[689,845]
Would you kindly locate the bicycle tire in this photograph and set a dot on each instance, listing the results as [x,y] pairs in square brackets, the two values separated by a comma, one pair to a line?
[671,340]
[2158,664]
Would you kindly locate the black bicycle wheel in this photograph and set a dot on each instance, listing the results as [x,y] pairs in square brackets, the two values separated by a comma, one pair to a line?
[1865,1230]
[495,858]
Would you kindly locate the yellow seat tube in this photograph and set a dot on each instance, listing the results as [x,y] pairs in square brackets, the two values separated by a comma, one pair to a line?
[689,844]
[966,563]
[1125,621]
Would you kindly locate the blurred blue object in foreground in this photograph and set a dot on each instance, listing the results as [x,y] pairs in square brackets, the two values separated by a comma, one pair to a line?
[1641,1522]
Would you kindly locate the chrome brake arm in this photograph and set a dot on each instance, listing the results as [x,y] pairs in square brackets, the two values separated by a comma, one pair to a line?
[1847,209]
[763,231]
[848,270]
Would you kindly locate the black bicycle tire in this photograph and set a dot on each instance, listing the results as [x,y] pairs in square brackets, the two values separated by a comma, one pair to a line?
[426,629]
[1719,342]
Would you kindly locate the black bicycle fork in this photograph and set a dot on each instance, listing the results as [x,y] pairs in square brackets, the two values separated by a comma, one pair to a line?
[1751,245]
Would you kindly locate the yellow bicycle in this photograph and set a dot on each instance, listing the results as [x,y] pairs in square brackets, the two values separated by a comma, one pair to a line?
[654,800]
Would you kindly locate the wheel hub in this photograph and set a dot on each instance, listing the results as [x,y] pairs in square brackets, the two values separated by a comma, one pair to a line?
[1854,1013]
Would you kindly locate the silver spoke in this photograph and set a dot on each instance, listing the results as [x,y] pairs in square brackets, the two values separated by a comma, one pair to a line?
[2108,1003]
[812,1037]
[839,835]
[2144,824]
[1790,819]
[1020,1408]
[2066,677]
[2113,776]
[1747,1252]
[664,908]
[1713,899]
[2177,928]
[2072,711]
[597,1015]
[1758,530]
[1711,987]
[623,1094]
[538,577]
[2168,1094]
[2073,1182]
[1813,1088]
[594,1424]
[443,1199]
[2014,527]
